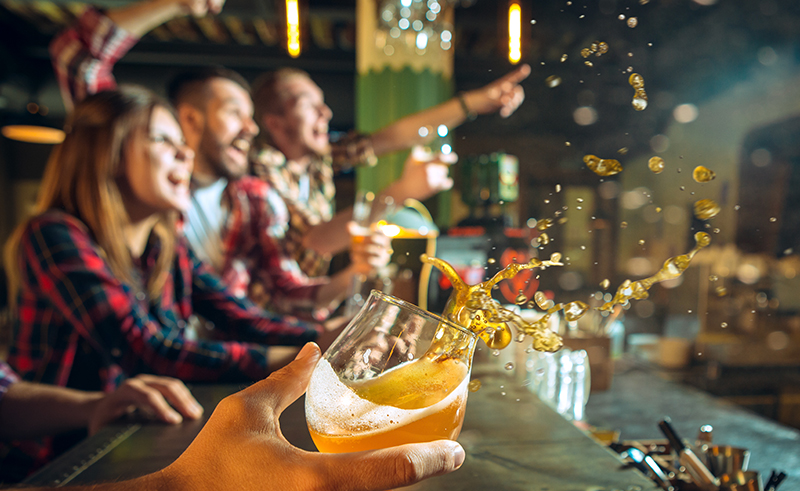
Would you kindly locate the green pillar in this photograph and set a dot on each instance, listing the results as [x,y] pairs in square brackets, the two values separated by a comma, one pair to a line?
[395,79]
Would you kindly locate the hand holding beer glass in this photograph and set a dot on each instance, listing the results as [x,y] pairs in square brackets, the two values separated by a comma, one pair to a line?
[396,375]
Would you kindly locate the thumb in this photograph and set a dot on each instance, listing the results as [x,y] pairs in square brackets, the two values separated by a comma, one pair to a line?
[283,387]
[393,467]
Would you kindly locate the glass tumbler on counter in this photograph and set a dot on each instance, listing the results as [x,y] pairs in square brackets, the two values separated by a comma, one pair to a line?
[396,375]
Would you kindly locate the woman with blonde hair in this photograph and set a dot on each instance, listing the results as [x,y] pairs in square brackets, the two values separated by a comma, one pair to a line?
[102,284]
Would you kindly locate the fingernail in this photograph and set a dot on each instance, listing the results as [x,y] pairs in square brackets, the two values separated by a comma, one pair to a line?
[308,350]
[175,418]
[197,410]
[458,454]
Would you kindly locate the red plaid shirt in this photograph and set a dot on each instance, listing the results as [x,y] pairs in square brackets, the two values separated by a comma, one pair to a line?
[77,325]
[73,313]
[254,263]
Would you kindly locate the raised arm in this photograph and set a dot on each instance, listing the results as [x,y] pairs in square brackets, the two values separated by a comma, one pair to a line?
[504,95]
[423,176]
[84,54]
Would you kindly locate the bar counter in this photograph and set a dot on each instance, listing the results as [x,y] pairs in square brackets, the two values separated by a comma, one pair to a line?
[513,442]
[641,395]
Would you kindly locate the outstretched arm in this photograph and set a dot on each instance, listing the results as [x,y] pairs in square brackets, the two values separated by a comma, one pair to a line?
[84,54]
[423,176]
[241,447]
[504,95]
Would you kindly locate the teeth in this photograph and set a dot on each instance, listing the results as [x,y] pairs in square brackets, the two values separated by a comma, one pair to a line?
[241,144]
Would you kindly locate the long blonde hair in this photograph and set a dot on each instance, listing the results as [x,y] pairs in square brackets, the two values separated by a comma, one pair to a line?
[82,177]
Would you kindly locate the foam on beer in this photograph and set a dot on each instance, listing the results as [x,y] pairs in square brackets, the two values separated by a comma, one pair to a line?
[357,415]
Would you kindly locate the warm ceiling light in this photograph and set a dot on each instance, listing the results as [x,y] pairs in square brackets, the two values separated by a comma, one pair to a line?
[33,134]
[514,33]
[292,28]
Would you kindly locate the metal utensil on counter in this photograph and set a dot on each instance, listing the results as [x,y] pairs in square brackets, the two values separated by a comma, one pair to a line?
[775,479]
[658,476]
[741,481]
[724,459]
[696,469]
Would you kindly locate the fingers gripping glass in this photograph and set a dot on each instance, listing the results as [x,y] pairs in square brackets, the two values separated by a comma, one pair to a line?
[396,375]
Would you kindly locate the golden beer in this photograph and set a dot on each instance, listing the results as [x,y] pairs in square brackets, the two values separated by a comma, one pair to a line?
[418,401]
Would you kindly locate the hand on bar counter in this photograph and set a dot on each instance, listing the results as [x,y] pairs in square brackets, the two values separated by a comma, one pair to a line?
[241,447]
[27,408]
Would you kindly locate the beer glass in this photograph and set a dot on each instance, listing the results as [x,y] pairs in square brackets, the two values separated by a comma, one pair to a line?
[397,374]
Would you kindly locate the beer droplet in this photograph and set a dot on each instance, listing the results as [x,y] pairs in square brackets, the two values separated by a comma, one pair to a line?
[658,209]
[588,63]
[575,310]
[555,257]
[721,291]
[605,284]
[621,17]
[633,22]
[509,366]
[656,164]
[713,277]
[563,58]
[553,81]
[558,188]
[543,239]
[723,325]
[639,101]
[491,260]
[706,209]
[641,241]
[602,167]
[495,352]
[541,300]
[636,81]
[773,219]
[623,225]
[594,46]
[474,385]
[703,174]
[623,151]
[567,144]
[602,48]
[586,52]
[521,299]
[544,224]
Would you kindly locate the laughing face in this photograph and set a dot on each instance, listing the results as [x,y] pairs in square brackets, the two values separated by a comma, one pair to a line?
[305,118]
[158,166]
[229,129]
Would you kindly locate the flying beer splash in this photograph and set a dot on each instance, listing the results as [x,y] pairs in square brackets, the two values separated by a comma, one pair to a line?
[472,306]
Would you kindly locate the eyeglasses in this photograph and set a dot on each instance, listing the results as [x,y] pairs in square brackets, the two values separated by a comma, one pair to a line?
[177,147]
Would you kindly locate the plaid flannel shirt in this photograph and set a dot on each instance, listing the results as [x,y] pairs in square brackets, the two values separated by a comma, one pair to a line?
[309,197]
[74,314]
[254,263]
[77,325]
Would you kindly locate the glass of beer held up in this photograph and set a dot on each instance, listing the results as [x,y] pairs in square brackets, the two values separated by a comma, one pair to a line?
[396,375]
